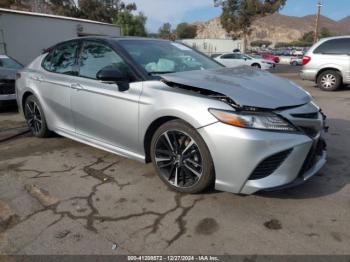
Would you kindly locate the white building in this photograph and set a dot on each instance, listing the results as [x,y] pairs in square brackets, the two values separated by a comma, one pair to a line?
[214,46]
[24,35]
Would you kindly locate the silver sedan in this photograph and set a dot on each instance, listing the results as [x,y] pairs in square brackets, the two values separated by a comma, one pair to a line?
[240,129]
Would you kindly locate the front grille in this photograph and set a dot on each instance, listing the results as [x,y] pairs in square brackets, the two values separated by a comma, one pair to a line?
[269,165]
[7,87]
[315,151]
[308,115]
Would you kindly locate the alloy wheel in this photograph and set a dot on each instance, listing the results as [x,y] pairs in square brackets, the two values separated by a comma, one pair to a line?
[178,158]
[328,81]
[33,116]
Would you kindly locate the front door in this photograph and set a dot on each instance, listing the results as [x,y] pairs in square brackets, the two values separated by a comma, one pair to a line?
[102,111]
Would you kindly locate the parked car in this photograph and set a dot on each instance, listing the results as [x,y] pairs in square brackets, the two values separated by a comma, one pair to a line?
[8,70]
[296,60]
[270,57]
[297,52]
[328,63]
[241,129]
[236,59]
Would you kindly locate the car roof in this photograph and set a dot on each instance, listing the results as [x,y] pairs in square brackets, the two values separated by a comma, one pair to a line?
[106,38]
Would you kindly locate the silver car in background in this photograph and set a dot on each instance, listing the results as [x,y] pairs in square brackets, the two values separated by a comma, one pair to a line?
[238,59]
[328,63]
[239,129]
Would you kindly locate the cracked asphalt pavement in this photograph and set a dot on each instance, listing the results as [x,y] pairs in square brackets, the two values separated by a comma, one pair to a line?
[58,196]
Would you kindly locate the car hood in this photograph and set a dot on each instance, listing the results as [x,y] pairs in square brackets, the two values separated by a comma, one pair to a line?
[245,86]
[8,74]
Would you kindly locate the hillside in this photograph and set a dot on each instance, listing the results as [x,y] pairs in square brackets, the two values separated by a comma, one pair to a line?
[276,28]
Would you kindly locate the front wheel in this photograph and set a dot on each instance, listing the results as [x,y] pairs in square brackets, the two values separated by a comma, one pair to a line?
[256,66]
[181,158]
[35,118]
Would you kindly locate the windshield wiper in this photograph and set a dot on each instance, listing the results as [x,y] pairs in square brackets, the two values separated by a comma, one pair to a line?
[160,72]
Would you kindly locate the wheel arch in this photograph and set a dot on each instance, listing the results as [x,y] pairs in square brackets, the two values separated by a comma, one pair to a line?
[152,128]
[328,69]
[24,98]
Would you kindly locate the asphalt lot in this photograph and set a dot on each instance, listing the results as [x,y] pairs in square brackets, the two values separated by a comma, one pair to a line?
[61,197]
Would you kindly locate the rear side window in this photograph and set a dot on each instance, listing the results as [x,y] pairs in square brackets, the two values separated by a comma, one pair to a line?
[62,59]
[228,56]
[334,46]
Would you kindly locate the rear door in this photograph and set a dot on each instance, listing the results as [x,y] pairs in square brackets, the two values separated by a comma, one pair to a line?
[103,111]
[59,71]
[230,60]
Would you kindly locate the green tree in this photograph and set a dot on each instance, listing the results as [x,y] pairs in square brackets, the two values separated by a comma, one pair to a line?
[238,15]
[308,37]
[261,43]
[186,31]
[97,10]
[325,32]
[132,25]
[165,31]
[15,4]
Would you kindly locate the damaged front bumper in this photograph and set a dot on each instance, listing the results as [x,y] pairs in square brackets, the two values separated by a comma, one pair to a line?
[250,160]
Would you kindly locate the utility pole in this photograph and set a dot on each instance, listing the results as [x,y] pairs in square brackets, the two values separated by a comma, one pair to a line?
[319,5]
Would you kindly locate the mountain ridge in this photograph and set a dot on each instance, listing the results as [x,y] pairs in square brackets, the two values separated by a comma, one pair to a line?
[276,27]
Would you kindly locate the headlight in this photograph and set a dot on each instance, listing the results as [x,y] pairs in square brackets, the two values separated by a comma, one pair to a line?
[260,120]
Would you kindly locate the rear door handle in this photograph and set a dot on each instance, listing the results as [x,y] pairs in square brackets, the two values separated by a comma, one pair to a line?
[76,86]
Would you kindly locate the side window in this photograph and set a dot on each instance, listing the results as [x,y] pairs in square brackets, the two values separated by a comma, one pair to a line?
[96,56]
[335,46]
[47,61]
[238,56]
[228,56]
[62,59]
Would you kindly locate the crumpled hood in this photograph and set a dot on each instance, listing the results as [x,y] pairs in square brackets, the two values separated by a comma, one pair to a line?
[245,86]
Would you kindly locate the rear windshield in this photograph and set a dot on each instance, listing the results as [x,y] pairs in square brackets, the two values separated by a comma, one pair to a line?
[334,46]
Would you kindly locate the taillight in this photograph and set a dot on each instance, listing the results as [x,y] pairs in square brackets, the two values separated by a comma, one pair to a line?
[18,76]
[306,60]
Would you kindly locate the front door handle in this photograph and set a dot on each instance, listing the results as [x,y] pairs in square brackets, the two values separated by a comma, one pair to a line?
[76,86]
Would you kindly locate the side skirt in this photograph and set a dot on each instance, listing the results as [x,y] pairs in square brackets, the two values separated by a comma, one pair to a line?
[101,145]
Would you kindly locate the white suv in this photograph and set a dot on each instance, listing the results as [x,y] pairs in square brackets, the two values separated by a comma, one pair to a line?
[328,63]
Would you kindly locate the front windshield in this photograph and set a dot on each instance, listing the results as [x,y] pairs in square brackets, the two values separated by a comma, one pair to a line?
[9,63]
[160,57]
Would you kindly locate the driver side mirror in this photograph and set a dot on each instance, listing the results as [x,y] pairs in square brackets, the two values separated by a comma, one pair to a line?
[111,74]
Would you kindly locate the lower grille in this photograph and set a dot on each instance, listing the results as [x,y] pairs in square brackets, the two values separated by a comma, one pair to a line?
[7,87]
[307,115]
[269,165]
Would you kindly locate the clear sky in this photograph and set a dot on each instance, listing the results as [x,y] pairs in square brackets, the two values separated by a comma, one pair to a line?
[177,11]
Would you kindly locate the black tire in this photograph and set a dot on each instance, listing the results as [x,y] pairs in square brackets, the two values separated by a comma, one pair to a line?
[329,80]
[255,65]
[188,181]
[35,117]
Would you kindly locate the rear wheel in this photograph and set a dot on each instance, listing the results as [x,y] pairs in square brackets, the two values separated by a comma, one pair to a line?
[35,118]
[329,80]
[181,158]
